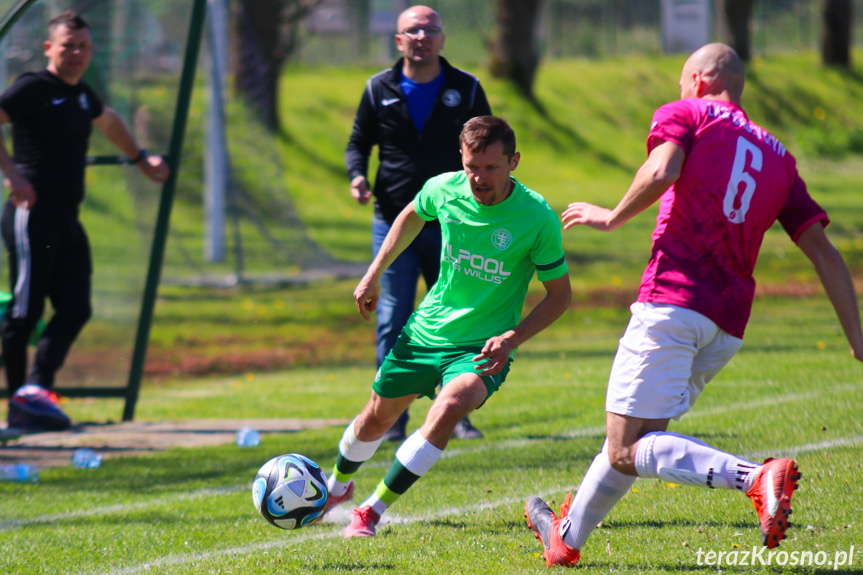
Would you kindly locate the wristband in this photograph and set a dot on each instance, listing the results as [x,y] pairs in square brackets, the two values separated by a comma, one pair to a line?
[141,155]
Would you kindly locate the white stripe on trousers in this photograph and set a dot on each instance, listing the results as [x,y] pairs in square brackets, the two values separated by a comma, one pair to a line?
[22,251]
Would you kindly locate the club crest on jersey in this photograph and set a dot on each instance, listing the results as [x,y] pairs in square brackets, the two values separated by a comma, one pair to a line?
[451,98]
[83,102]
[501,238]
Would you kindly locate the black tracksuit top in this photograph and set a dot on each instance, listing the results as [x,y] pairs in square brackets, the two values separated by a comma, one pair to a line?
[407,157]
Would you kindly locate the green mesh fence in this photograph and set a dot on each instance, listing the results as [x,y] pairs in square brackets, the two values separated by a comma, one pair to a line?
[567,29]
[136,69]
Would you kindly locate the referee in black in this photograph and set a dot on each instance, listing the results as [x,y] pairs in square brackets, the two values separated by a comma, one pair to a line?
[52,114]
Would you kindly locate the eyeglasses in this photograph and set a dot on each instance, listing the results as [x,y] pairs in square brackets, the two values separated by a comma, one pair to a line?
[71,47]
[414,33]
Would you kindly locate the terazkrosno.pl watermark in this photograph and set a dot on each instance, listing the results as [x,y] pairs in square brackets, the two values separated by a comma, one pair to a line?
[765,556]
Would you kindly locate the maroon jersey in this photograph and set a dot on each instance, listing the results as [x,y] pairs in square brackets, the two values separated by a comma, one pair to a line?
[736,181]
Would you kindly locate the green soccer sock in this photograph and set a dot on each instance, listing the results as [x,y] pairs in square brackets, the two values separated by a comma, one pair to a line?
[352,454]
[345,469]
[413,459]
[397,481]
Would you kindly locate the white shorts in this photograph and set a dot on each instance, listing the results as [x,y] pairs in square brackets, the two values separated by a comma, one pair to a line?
[664,360]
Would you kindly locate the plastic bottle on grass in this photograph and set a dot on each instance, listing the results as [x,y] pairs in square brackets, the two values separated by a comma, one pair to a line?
[86,459]
[24,472]
[248,437]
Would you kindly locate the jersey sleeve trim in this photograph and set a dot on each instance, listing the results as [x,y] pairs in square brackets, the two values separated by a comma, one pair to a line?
[551,266]
[822,217]
[553,273]
[658,138]
[421,212]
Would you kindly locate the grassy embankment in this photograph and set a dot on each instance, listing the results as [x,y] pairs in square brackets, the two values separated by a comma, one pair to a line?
[582,142]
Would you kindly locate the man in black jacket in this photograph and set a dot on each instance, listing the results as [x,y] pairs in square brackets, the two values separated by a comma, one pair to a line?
[414,113]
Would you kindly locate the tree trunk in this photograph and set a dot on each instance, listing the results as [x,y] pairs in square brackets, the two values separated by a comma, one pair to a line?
[836,38]
[259,57]
[514,53]
[738,14]
[266,38]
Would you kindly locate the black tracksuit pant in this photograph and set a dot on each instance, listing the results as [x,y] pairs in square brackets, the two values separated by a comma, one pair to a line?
[49,257]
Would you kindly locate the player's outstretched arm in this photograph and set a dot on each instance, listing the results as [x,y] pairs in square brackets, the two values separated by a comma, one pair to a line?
[403,231]
[495,352]
[837,282]
[110,124]
[659,171]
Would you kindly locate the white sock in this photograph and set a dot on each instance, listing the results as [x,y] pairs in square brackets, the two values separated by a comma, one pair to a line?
[600,490]
[354,450]
[680,459]
[336,488]
[417,454]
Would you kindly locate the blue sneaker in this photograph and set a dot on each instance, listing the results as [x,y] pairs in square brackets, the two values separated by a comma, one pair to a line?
[35,406]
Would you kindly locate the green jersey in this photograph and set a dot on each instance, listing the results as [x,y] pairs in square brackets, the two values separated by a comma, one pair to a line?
[488,257]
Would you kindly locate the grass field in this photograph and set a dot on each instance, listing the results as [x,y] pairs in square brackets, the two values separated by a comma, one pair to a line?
[791,391]
[303,352]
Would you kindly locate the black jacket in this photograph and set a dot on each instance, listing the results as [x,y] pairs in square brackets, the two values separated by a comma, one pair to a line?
[407,157]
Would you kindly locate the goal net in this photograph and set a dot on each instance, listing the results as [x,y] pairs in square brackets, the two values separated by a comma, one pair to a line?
[136,70]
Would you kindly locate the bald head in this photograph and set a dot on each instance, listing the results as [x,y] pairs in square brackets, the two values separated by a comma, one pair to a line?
[713,71]
[418,14]
[420,38]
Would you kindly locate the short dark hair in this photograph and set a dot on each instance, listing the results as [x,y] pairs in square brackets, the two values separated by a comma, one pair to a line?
[69,19]
[482,131]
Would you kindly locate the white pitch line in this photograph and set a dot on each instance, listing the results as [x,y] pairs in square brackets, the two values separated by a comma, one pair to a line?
[502,445]
[771,401]
[808,447]
[174,560]
[119,508]
[600,429]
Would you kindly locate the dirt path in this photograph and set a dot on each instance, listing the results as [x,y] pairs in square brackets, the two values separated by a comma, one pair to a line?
[51,449]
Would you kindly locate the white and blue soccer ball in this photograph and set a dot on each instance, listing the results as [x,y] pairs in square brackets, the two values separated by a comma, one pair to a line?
[290,491]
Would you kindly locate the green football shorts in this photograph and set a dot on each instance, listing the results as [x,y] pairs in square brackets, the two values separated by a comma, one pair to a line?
[410,369]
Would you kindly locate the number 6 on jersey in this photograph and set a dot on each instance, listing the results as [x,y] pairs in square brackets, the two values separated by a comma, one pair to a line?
[737,215]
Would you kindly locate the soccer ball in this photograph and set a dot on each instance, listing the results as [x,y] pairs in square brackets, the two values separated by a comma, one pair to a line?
[290,491]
